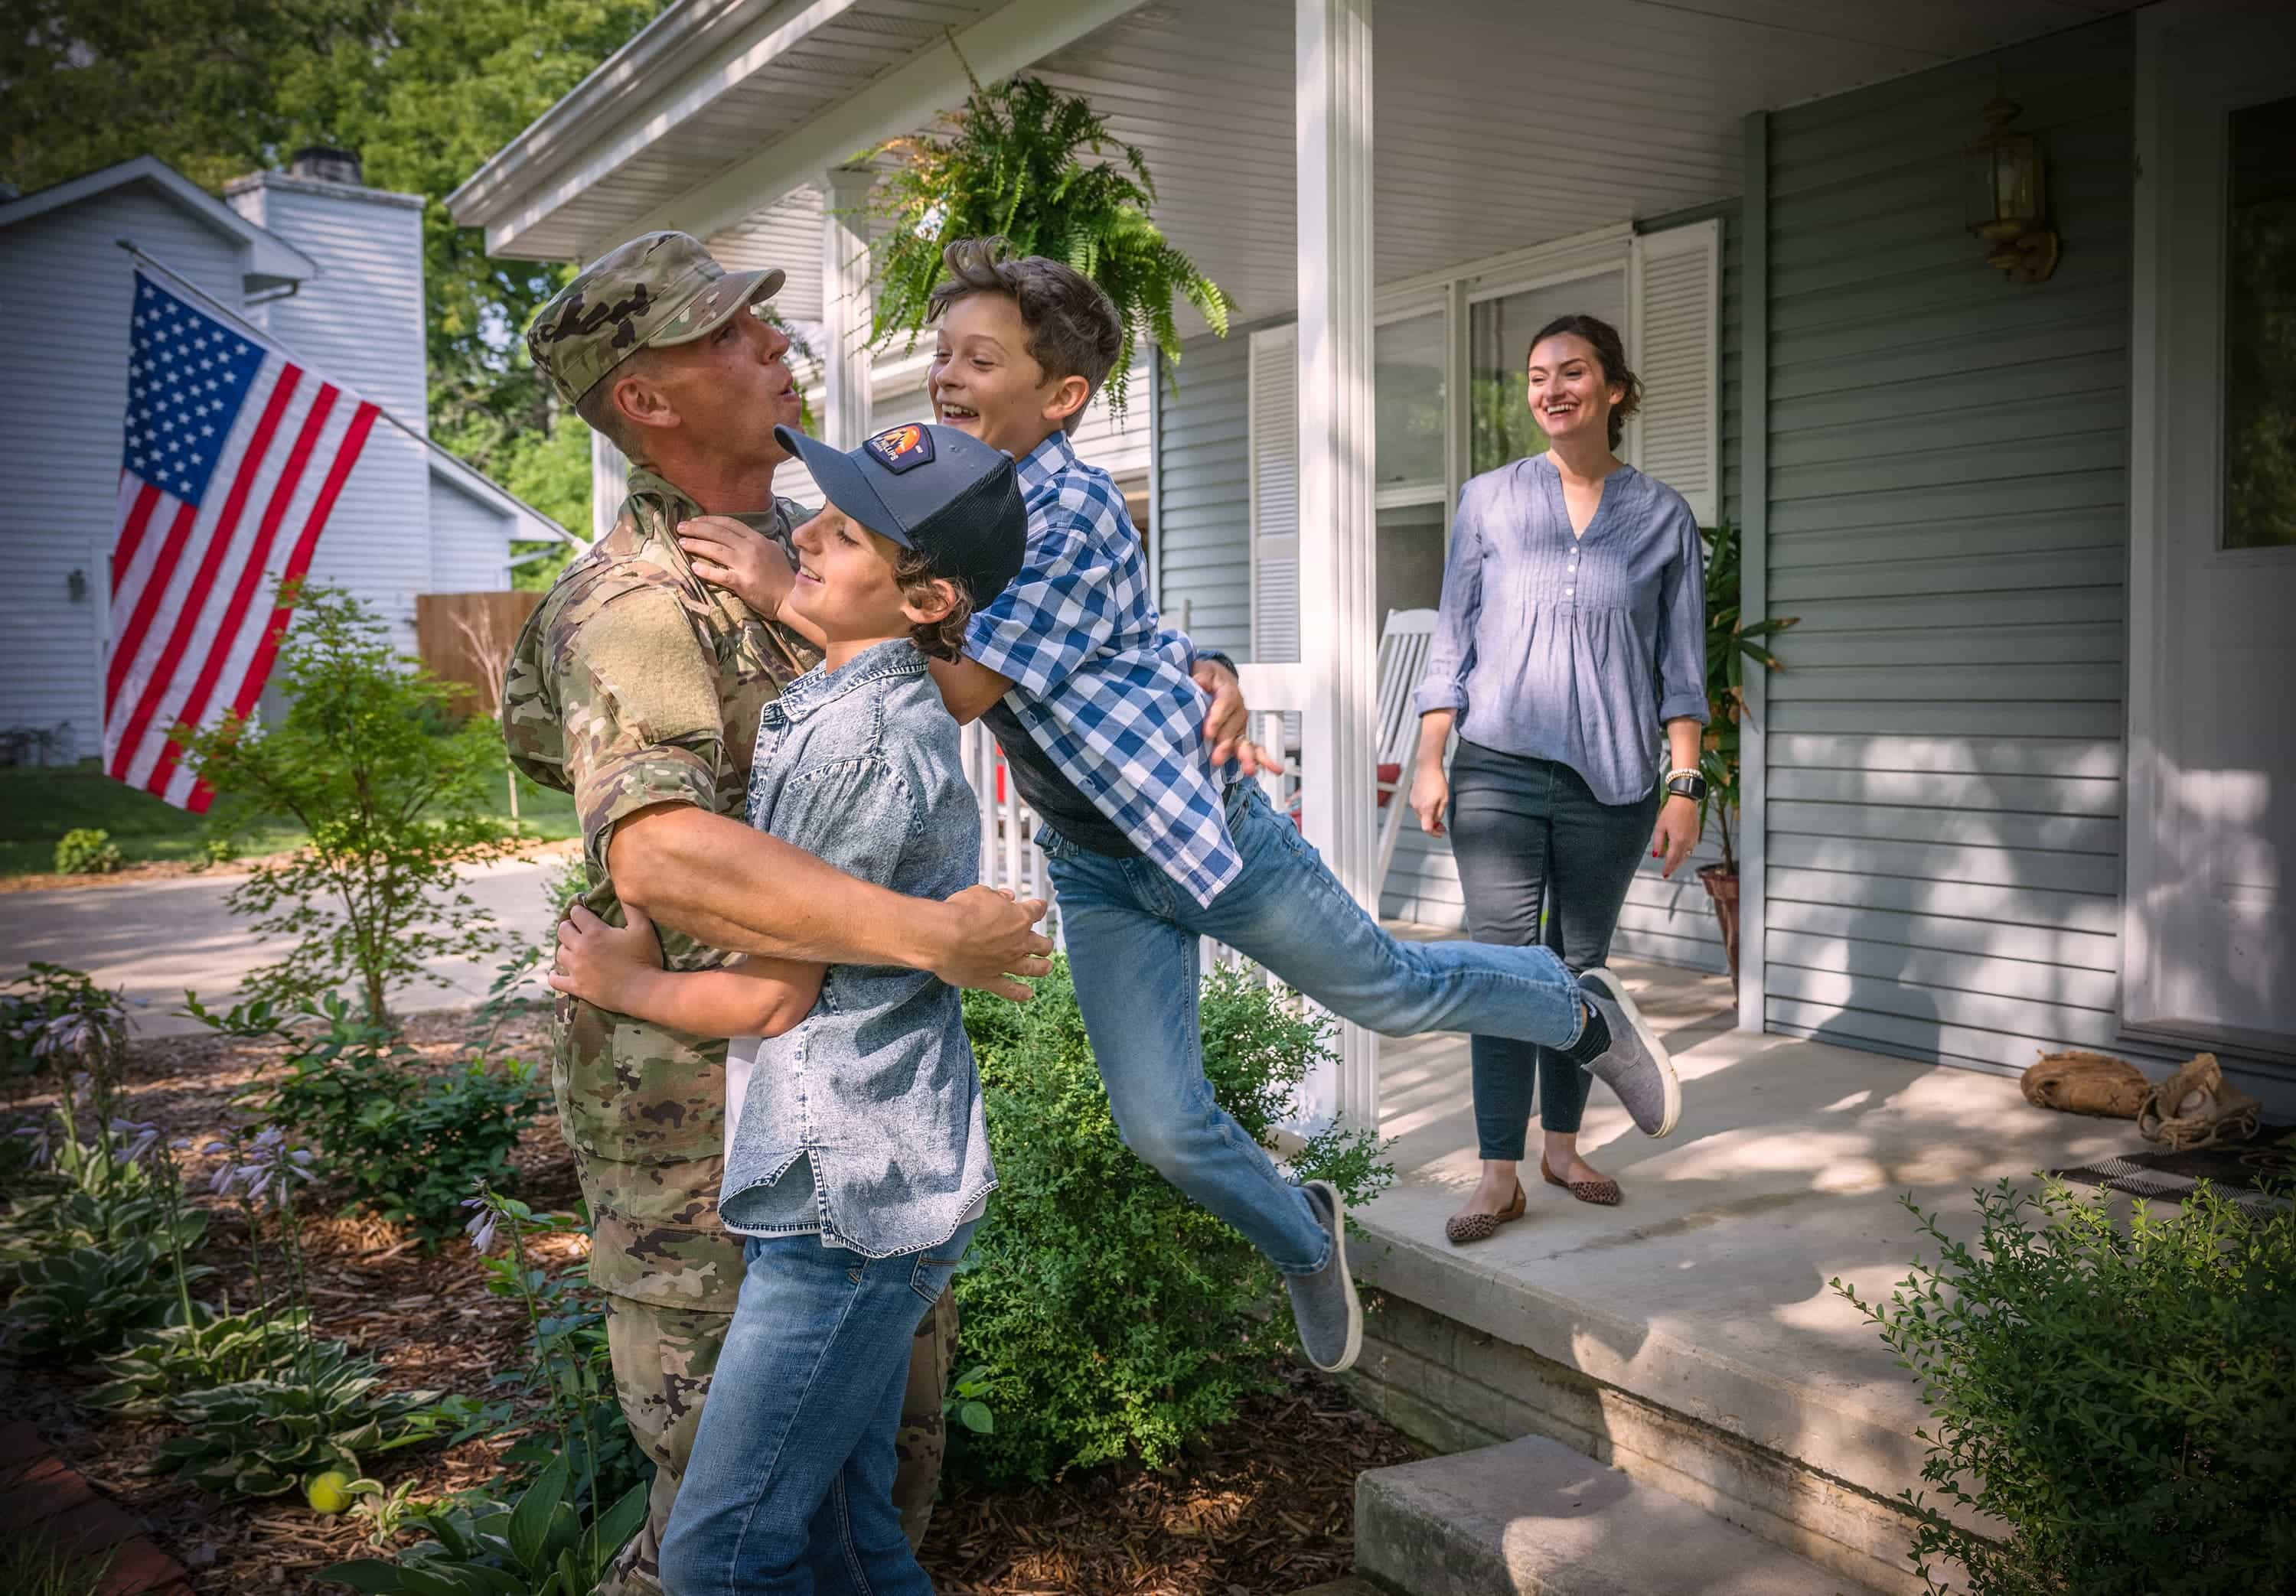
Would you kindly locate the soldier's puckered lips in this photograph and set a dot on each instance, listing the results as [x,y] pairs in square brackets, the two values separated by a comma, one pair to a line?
[657,291]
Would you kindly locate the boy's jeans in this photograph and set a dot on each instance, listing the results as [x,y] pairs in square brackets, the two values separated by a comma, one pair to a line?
[790,1492]
[1132,944]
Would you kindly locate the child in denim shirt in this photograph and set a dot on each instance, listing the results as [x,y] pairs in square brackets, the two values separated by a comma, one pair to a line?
[856,1156]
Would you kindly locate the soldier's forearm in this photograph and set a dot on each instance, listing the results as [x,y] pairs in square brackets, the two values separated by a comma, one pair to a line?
[725,884]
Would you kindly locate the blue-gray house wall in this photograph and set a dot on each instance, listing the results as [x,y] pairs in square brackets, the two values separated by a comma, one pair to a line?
[1947,512]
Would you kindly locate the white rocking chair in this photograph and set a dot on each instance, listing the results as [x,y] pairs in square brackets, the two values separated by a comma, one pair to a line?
[1404,642]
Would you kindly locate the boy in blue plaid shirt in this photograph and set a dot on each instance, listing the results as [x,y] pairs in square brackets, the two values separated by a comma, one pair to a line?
[1153,844]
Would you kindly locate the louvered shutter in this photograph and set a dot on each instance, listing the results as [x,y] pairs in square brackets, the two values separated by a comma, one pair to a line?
[1276,496]
[1674,332]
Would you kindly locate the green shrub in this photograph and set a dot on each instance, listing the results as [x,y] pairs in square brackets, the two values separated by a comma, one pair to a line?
[1117,1318]
[86,851]
[407,1143]
[2117,1404]
[392,812]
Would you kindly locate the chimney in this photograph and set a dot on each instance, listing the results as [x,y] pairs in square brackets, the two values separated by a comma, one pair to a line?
[323,164]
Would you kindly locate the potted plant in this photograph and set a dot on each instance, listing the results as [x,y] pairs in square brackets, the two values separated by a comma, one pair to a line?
[1015,166]
[1728,646]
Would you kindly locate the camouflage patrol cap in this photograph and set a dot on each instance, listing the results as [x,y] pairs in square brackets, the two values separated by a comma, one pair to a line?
[659,289]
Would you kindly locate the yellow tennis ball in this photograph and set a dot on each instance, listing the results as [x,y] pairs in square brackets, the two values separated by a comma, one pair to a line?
[328,1492]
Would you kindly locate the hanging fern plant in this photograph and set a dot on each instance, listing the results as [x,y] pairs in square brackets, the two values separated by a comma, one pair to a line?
[1039,168]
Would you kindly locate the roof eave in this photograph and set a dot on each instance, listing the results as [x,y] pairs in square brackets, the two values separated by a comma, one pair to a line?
[271,260]
[571,124]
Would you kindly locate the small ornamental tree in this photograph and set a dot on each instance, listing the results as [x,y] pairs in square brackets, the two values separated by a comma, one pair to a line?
[393,809]
[1025,163]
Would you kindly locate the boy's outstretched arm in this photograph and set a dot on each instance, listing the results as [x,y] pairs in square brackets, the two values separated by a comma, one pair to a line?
[969,687]
[619,968]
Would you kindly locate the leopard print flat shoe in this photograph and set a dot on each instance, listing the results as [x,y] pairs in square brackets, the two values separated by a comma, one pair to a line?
[1603,1194]
[1463,1228]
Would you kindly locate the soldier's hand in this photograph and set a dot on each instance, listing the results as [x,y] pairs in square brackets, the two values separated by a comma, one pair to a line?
[743,561]
[596,960]
[990,940]
[1227,721]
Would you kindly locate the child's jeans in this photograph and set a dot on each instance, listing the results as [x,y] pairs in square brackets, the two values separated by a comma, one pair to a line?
[790,1492]
[1132,942]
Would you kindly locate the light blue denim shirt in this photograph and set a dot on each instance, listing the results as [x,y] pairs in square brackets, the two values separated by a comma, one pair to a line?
[1576,650]
[875,1095]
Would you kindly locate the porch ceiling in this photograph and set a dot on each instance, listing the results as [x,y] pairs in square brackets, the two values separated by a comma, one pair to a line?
[1498,123]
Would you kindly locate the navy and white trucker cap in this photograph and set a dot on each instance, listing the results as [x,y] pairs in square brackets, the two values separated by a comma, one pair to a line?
[943,493]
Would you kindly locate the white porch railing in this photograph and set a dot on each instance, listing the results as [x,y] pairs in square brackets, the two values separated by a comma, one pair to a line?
[1010,858]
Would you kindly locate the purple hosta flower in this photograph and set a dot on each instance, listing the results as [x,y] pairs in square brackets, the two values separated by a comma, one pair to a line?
[42,1134]
[270,1168]
[144,1138]
[481,1229]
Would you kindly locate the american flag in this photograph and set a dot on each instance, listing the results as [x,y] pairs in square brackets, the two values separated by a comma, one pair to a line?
[234,458]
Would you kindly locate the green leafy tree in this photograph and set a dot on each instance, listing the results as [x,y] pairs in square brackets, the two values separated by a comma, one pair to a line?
[1040,168]
[393,810]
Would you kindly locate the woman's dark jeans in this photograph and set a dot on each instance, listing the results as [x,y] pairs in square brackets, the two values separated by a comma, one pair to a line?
[1530,837]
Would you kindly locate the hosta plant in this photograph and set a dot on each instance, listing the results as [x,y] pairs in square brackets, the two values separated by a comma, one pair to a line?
[537,1546]
[70,1305]
[266,1437]
[217,1348]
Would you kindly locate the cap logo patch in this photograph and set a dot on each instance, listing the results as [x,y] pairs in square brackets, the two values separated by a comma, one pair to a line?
[901,448]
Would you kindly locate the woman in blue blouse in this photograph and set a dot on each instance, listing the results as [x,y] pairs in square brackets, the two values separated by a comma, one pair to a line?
[1573,630]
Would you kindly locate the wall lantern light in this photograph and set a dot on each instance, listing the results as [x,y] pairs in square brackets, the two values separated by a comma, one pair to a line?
[2006,196]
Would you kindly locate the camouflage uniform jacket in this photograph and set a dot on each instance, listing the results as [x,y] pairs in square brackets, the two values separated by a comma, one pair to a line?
[634,684]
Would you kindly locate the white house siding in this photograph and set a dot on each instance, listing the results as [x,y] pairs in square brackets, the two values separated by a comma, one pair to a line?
[67,289]
[1948,513]
[1203,531]
[470,541]
[360,323]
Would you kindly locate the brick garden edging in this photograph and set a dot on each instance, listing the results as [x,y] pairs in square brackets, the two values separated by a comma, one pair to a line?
[45,1499]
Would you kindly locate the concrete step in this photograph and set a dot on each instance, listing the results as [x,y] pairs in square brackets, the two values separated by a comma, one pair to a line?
[1532,1518]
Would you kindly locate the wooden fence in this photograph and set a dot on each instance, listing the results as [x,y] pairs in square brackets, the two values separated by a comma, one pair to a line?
[465,638]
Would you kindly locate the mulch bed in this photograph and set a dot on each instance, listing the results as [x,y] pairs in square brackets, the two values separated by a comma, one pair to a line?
[1264,1507]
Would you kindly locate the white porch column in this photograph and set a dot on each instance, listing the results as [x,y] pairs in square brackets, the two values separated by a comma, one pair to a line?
[610,484]
[1338,637]
[844,307]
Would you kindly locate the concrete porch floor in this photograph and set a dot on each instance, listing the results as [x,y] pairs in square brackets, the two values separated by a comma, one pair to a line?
[1705,1293]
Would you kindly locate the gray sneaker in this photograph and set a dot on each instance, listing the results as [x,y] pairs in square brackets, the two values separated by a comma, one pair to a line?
[1636,1066]
[1323,1303]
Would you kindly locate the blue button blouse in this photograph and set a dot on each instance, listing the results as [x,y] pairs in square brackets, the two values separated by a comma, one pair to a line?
[1576,650]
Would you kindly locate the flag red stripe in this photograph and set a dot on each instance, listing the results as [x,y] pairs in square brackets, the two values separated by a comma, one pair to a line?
[131,533]
[251,575]
[125,646]
[204,567]
[259,669]
[130,641]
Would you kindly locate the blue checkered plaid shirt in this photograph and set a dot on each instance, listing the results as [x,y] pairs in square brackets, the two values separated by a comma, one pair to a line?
[1099,681]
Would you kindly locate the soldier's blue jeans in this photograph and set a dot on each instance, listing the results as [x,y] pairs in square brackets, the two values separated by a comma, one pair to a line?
[790,1491]
[1132,938]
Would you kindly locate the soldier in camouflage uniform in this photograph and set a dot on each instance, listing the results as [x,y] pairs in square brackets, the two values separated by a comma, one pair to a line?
[635,686]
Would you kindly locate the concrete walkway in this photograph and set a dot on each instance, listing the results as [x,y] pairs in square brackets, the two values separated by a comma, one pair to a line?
[155,940]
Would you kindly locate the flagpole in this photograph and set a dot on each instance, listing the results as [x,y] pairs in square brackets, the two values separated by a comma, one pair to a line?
[273,339]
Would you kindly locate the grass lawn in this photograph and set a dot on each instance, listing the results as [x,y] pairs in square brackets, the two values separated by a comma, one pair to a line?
[38,806]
